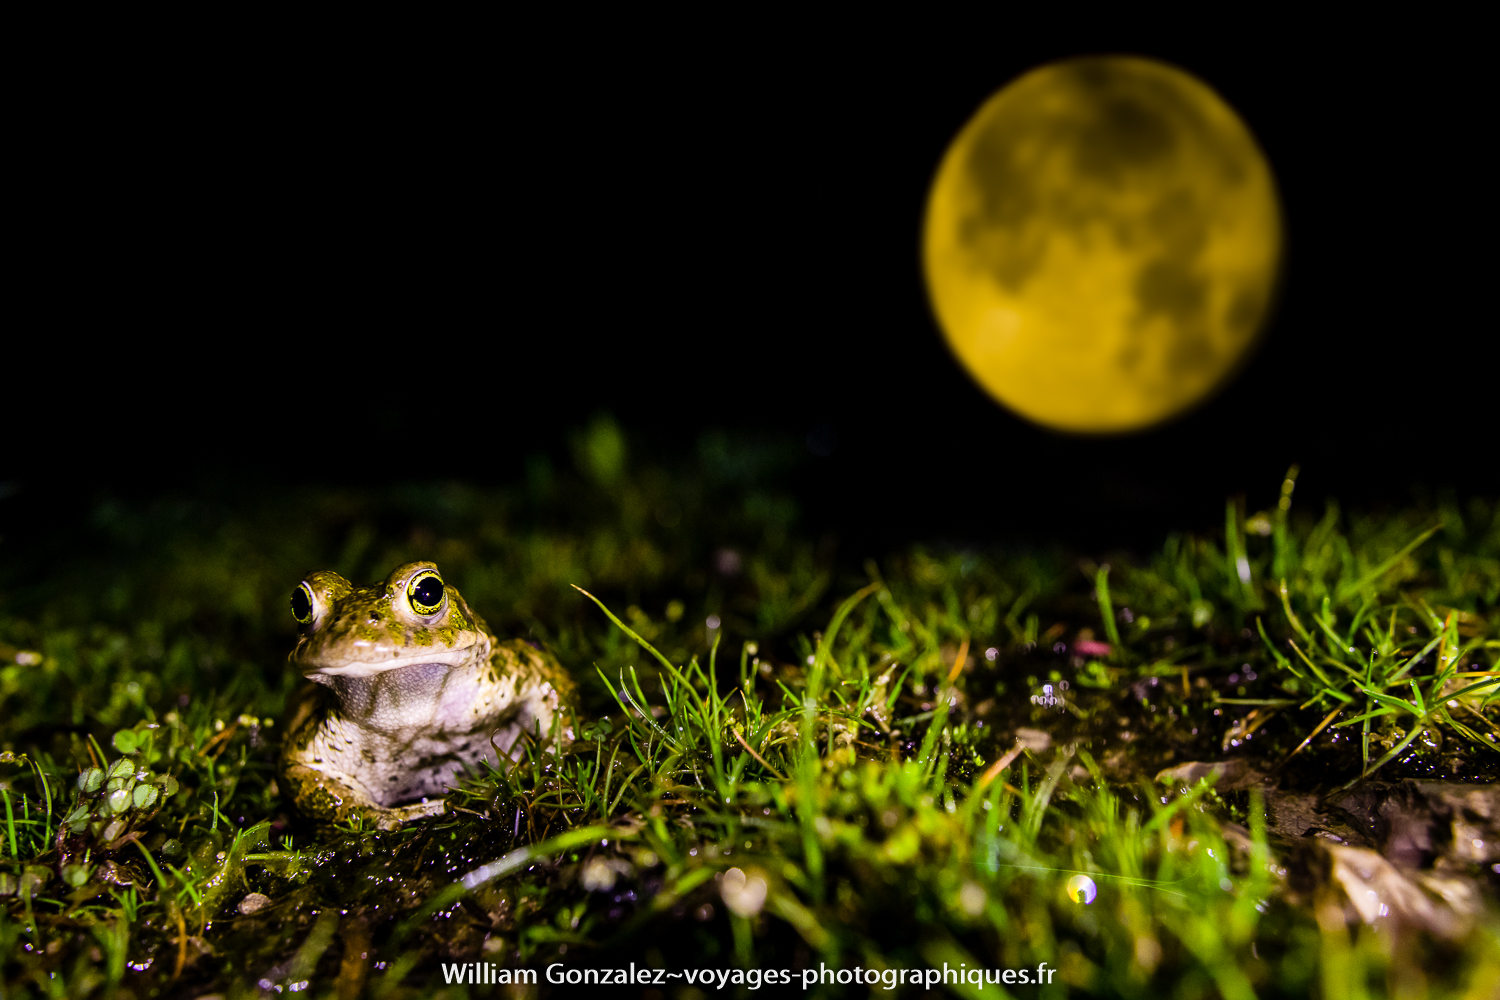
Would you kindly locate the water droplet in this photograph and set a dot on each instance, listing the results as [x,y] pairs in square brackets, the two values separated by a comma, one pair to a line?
[1081,889]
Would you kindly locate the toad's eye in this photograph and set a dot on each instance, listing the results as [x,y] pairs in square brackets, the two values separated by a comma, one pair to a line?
[425,593]
[302,604]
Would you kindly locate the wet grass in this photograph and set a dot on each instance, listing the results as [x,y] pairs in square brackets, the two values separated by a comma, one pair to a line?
[789,759]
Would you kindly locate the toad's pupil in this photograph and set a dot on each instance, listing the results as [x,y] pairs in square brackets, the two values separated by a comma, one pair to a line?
[429,592]
[301,605]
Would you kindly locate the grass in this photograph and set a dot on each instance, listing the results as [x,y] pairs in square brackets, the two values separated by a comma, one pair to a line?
[828,776]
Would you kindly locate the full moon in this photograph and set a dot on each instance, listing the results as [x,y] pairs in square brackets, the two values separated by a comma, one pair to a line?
[1102,243]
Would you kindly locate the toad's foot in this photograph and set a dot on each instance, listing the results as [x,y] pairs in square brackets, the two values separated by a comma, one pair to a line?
[332,797]
[393,819]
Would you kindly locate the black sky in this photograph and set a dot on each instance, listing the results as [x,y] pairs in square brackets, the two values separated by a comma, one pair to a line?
[297,264]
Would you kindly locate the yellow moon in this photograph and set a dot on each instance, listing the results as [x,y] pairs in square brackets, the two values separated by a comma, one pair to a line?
[1102,242]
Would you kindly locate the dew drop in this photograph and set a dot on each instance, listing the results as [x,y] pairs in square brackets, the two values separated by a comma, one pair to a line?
[1081,889]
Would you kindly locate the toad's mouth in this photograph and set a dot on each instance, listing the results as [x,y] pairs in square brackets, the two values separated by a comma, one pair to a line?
[383,658]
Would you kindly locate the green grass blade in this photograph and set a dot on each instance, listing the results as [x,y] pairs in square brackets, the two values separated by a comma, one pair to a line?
[671,667]
[1468,733]
[10,824]
[1291,616]
[1368,715]
[161,880]
[825,646]
[1281,661]
[1396,677]
[1107,612]
[1395,703]
[1390,755]
[1480,685]
[1385,567]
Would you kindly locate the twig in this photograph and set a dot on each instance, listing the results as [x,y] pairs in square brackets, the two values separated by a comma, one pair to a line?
[1258,722]
[1321,726]
[994,769]
[181,940]
[1477,714]
[115,845]
[220,737]
[751,751]
[959,660]
[461,809]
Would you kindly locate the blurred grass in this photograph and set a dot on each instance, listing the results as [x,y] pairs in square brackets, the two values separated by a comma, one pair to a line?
[789,758]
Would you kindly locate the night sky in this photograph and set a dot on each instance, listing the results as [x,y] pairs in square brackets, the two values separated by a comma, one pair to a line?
[368,267]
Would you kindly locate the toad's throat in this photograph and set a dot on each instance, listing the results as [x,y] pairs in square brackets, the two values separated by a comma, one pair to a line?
[430,696]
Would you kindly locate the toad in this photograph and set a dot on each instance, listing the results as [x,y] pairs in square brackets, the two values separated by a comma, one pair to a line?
[412,689]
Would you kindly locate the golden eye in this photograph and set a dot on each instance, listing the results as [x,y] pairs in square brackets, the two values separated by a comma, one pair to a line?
[425,592]
[302,604]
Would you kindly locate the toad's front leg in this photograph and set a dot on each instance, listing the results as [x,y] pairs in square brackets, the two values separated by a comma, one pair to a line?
[316,768]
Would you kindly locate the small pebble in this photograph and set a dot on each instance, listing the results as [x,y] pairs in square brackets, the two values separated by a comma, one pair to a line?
[254,903]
